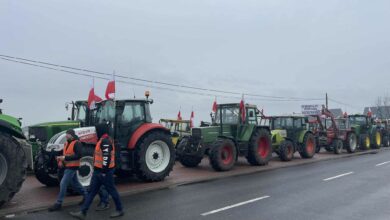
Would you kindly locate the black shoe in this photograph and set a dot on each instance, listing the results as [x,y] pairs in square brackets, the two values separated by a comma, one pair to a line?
[55,207]
[102,207]
[79,215]
[117,214]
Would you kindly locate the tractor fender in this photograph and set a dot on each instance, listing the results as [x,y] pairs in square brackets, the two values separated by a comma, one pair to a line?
[7,128]
[142,130]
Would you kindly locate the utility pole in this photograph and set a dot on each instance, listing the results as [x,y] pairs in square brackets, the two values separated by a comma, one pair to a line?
[326,100]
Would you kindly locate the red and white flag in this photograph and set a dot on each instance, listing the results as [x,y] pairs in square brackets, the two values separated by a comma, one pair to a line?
[369,113]
[92,97]
[179,115]
[242,110]
[214,109]
[110,90]
[192,119]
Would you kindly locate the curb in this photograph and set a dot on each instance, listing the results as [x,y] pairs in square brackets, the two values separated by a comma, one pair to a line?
[200,180]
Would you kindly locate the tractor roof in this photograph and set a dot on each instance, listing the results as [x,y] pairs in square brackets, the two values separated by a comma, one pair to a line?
[288,116]
[357,115]
[237,105]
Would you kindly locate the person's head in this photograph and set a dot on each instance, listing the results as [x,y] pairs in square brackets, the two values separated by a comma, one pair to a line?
[70,135]
[102,129]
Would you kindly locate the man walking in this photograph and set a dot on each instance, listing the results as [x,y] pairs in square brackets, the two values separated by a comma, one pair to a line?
[70,161]
[104,164]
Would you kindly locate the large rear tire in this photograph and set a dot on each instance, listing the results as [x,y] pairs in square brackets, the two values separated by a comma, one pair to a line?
[286,150]
[223,155]
[45,170]
[376,139]
[13,165]
[309,146]
[260,148]
[155,156]
[351,143]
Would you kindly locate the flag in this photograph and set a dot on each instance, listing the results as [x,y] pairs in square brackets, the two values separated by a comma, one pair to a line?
[179,115]
[242,110]
[215,105]
[110,90]
[369,113]
[345,115]
[93,98]
[192,119]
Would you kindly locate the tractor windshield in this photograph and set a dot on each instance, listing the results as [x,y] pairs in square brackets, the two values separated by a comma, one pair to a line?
[81,112]
[282,123]
[358,120]
[230,115]
[105,112]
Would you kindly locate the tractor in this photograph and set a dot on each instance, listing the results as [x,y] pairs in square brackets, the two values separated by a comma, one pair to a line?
[43,136]
[142,147]
[384,126]
[368,134]
[291,134]
[334,134]
[234,132]
[14,154]
[178,128]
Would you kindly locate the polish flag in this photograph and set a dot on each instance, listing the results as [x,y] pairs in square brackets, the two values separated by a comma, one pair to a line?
[110,90]
[215,105]
[192,119]
[179,115]
[242,109]
[92,97]
[369,113]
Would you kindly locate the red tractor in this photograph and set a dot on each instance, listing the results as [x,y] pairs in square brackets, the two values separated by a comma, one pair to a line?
[334,134]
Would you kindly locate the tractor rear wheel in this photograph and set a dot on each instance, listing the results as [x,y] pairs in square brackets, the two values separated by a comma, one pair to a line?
[351,143]
[286,150]
[337,146]
[46,171]
[365,142]
[376,139]
[260,148]
[155,156]
[13,165]
[308,146]
[223,155]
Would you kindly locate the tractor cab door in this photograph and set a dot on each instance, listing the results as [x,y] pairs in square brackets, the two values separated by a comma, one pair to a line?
[129,116]
[299,126]
[246,128]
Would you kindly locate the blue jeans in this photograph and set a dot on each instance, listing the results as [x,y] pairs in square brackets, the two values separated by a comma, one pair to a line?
[104,197]
[70,177]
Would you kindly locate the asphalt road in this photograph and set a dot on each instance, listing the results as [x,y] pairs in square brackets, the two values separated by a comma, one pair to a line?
[349,188]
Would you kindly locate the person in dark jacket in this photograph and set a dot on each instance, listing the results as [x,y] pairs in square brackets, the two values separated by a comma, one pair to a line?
[104,164]
[70,161]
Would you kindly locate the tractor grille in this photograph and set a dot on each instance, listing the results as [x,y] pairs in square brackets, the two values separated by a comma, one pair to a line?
[196,133]
[39,133]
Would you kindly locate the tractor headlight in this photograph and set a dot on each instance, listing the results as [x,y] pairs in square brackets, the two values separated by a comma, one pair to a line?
[54,147]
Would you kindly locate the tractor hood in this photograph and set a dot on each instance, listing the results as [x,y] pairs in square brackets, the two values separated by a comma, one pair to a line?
[209,134]
[56,123]
[12,124]
[86,135]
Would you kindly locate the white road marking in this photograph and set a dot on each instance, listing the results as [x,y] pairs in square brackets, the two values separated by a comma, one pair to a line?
[338,176]
[233,206]
[381,164]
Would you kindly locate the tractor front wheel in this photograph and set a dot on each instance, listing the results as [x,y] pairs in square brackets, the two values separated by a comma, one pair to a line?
[155,156]
[365,142]
[13,165]
[260,148]
[351,143]
[386,141]
[186,160]
[286,150]
[308,146]
[223,155]
[45,170]
[376,139]
[337,146]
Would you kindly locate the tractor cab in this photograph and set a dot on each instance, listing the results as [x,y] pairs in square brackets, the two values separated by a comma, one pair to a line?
[124,117]
[291,126]
[359,120]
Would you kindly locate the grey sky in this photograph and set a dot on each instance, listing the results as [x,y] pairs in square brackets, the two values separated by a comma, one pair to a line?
[274,47]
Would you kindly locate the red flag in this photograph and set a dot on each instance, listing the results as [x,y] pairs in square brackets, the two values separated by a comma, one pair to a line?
[192,119]
[110,90]
[369,113]
[215,107]
[93,98]
[179,115]
[243,111]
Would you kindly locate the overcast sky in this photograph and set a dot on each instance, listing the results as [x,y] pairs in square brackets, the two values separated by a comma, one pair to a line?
[267,47]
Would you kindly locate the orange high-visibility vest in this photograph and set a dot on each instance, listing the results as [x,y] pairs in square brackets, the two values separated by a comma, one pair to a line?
[98,156]
[69,151]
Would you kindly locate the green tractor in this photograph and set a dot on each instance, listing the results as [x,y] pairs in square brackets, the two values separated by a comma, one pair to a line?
[368,134]
[14,153]
[228,137]
[291,134]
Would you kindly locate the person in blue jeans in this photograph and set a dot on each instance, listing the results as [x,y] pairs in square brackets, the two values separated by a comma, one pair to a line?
[104,199]
[103,175]
[70,160]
